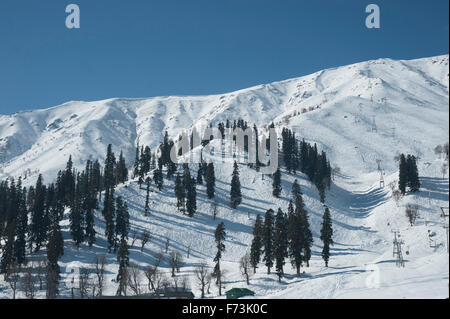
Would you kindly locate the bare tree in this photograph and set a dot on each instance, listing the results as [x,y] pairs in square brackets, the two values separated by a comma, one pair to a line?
[99,262]
[145,237]
[159,258]
[83,283]
[29,283]
[134,237]
[202,276]
[412,212]
[134,279]
[175,261]
[180,283]
[167,244]
[151,272]
[244,266]
[209,278]
[13,277]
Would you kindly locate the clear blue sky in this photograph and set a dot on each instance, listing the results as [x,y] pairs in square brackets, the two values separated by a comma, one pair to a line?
[144,48]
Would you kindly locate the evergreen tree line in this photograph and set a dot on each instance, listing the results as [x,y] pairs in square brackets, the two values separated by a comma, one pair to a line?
[287,235]
[30,218]
[304,156]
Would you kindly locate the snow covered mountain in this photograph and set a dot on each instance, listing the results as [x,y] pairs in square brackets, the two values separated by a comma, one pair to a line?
[397,95]
[363,115]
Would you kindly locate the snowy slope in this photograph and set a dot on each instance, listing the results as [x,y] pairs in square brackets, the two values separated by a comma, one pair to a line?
[358,114]
[401,91]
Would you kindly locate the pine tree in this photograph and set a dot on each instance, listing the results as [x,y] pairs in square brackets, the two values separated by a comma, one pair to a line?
[8,251]
[122,219]
[295,190]
[235,194]
[403,174]
[180,193]
[137,160]
[219,237]
[110,167]
[38,227]
[257,243]
[268,239]
[76,229]
[210,180]
[191,194]
[200,174]
[109,215]
[53,271]
[295,234]
[121,171]
[413,174]
[123,259]
[158,175]
[280,243]
[326,235]
[21,230]
[147,198]
[276,184]
[89,230]
[307,236]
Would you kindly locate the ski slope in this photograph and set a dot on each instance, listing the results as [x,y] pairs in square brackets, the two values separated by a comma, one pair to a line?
[359,114]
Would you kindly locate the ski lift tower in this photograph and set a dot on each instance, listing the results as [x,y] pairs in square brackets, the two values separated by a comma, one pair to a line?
[397,249]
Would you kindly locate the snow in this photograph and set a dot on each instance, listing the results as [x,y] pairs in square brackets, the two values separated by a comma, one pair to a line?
[407,100]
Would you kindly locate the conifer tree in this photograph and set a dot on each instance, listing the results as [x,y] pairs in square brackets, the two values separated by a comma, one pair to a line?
[295,190]
[235,193]
[295,234]
[123,259]
[326,235]
[403,174]
[267,238]
[257,243]
[21,229]
[180,193]
[147,198]
[76,229]
[219,237]
[158,175]
[110,167]
[121,171]
[109,213]
[53,271]
[38,227]
[413,174]
[307,236]
[191,193]
[122,218]
[210,180]
[137,160]
[8,250]
[276,184]
[200,174]
[280,243]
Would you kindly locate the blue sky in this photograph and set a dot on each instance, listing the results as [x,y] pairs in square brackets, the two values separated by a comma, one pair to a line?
[144,48]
